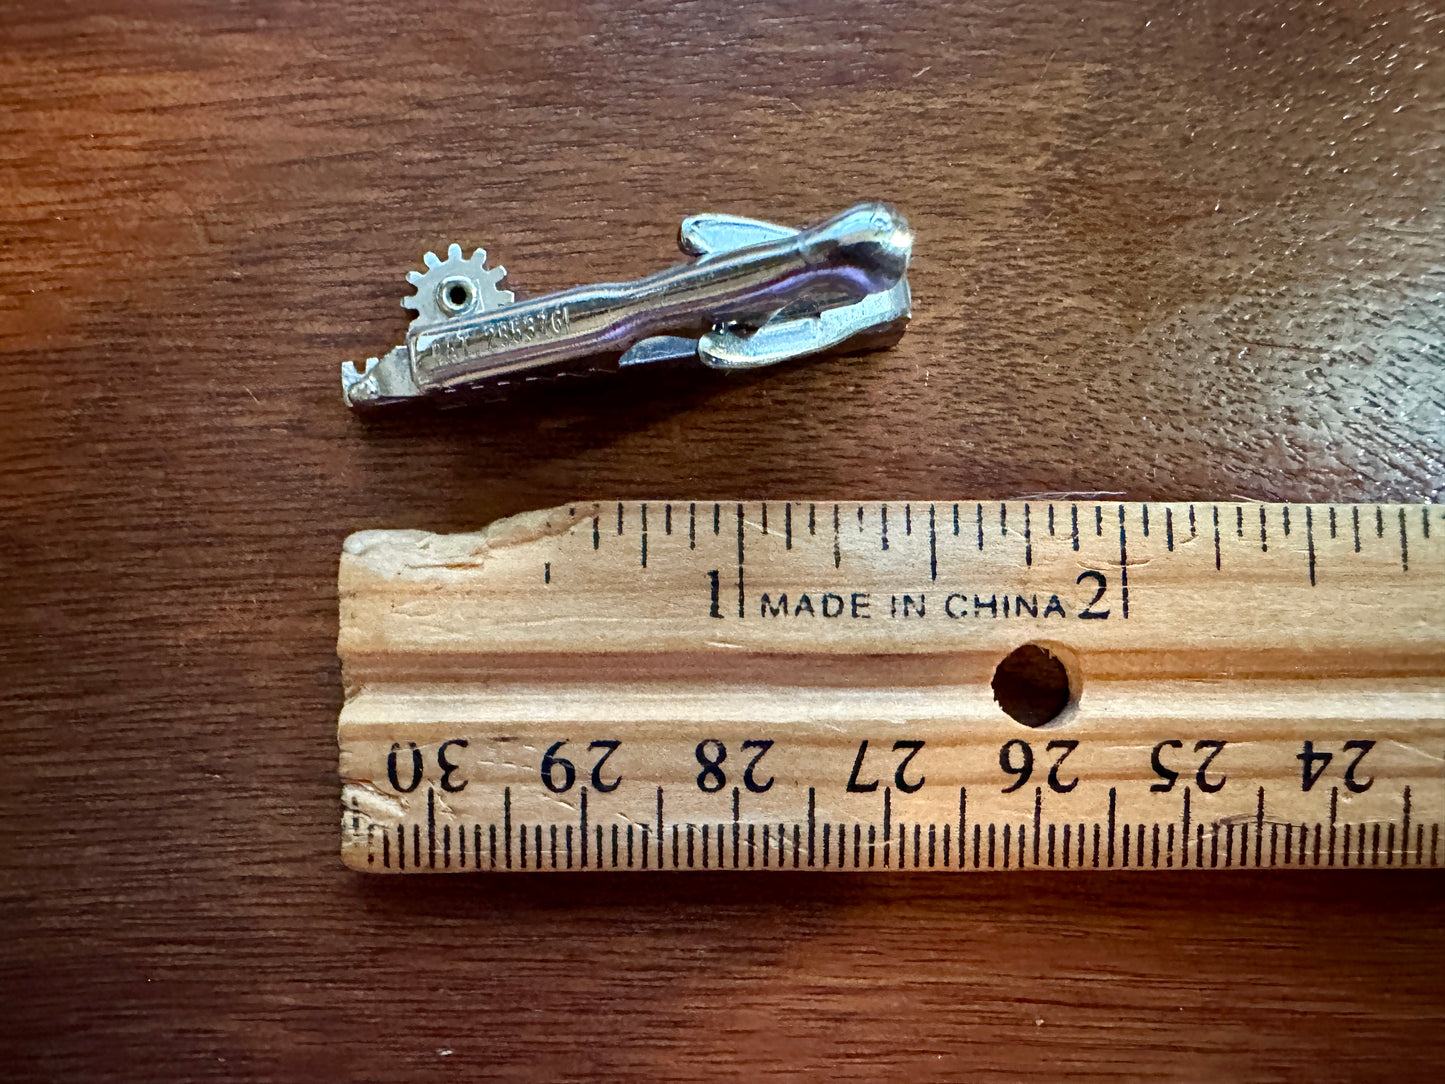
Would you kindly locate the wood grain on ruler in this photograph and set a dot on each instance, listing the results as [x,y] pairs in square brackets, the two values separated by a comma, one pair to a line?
[724,685]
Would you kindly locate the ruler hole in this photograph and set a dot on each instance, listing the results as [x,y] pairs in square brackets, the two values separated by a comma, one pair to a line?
[1032,685]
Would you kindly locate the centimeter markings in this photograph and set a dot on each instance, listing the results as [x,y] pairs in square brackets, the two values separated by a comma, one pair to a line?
[736,844]
[1301,647]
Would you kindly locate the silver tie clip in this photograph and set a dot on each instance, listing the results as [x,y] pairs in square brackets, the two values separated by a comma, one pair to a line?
[756,294]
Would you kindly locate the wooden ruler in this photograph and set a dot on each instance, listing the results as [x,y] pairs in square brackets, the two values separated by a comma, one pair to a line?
[817,685]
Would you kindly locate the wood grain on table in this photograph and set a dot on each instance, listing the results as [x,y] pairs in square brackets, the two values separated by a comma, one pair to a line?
[1169,252]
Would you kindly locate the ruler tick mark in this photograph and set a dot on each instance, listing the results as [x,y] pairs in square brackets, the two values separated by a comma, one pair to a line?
[812,825]
[1310,541]
[742,607]
[1404,825]
[1028,539]
[1123,582]
[644,534]
[962,821]
[1355,518]
[431,828]
[1259,828]
[1184,832]
[1404,545]
[1074,515]
[1263,534]
[582,820]
[1099,521]
[887,835]
[1144,519]
[788,525]
[932,546]
[1169,529]
[1216,569]
[1038,816]
[883,524]
[978,512]
[737,826]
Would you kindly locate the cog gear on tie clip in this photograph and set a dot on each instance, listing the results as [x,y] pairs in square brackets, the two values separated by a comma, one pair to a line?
[454,287]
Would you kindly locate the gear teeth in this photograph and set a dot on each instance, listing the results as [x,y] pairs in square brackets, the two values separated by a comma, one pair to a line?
[426,302]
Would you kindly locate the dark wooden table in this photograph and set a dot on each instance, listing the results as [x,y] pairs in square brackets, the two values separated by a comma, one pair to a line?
[1164,251]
